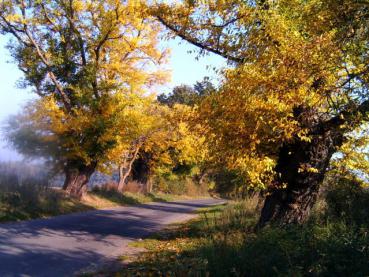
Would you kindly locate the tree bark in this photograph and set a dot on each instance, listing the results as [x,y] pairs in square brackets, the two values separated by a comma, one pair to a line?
[123,174]
[300,170]
[125,168]
[77,176]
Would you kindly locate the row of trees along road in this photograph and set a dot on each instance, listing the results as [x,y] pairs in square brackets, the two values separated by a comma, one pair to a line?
[91,63]
[93,66]
[296,85]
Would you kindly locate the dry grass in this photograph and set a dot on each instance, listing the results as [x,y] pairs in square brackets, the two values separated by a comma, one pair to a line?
[135,187]
[29,197]
[98,202]
[29,202]
[105,197]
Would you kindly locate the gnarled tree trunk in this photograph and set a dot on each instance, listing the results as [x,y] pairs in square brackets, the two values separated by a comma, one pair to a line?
[300,169]
[77,176]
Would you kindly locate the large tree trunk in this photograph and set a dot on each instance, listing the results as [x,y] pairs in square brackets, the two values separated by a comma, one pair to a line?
[300,169]
[77,176]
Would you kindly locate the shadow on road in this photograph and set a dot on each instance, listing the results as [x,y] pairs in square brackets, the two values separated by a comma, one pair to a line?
[64,244]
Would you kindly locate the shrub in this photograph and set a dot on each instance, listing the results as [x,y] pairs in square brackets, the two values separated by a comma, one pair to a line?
[180,185]
[347,199]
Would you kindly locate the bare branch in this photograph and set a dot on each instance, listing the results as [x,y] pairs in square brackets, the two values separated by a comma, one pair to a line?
[196,43]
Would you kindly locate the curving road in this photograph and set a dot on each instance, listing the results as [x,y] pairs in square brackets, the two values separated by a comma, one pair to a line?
[63,245]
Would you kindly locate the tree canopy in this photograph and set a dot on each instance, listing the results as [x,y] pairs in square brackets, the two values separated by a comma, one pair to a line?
[294,93]
[298,82]
[92,63]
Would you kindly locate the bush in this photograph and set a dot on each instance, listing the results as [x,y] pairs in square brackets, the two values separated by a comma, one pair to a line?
[347,199]
[229,183]
[179,185]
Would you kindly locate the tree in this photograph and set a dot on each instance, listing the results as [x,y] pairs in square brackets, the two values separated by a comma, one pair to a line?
[43,130]
[87,61]
[182,94]
[187,95]
[297,85]
[170,145]
[149,119]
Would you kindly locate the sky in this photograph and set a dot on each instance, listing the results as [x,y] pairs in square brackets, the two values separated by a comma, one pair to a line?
[184,66]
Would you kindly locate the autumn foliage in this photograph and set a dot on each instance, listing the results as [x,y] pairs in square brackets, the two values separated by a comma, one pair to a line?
[92,64]
[294,93]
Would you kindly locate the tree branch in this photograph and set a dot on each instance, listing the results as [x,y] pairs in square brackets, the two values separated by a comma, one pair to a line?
[14,31]
[123,177]
[65,99]
[347,116]
[198,44]
[78,35]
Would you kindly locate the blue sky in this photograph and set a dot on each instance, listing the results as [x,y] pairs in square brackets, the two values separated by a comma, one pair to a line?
[185,70]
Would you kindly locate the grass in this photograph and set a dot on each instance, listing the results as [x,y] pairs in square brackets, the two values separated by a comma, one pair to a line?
[100,198]
[222,242]
[29,202]
[31,199]
[25,194]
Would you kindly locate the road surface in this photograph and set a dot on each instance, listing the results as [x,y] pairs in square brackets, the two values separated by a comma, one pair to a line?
[64,245]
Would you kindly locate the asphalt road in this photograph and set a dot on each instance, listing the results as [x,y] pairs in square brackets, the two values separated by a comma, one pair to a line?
[64,245]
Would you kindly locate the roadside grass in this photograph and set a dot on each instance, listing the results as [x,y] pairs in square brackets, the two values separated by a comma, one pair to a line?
[222,242]
[101,198]
[31,198]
